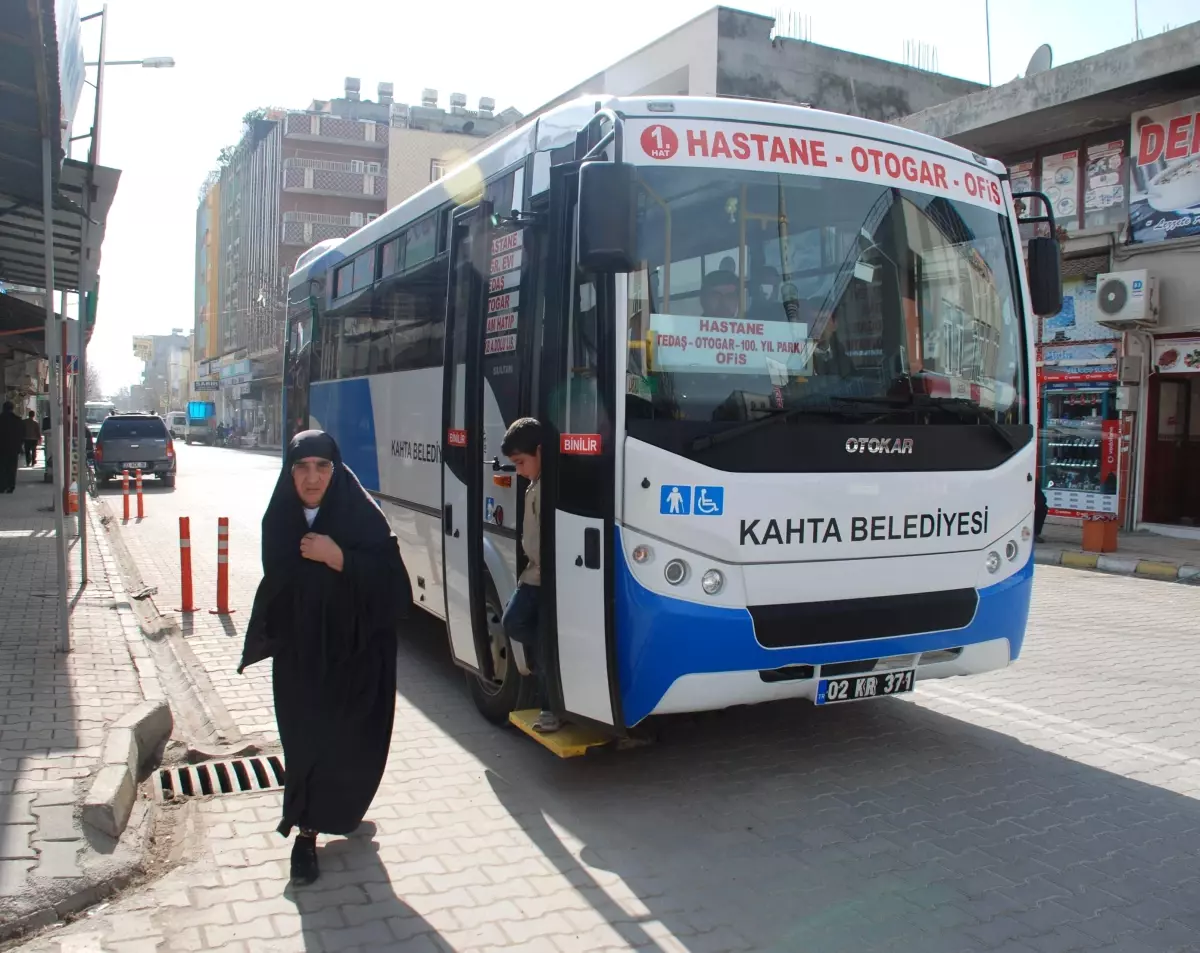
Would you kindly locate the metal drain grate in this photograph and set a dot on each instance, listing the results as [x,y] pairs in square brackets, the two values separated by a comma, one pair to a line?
[236,776]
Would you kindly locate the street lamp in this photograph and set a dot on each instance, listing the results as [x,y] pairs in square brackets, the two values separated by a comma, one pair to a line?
[152,62]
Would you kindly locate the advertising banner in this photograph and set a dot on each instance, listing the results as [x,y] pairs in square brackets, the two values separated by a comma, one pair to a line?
[1104,190]
[70,61]
[1164,200]
[1078,362]
[1077,321]
[1060,183]
[1177,356]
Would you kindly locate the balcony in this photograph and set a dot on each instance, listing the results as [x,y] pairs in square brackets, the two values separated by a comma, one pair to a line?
[349,179]
[305,229]
[319,127]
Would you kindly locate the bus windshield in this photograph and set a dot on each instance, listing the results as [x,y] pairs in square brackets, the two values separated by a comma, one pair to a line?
[96,413]
[763,293]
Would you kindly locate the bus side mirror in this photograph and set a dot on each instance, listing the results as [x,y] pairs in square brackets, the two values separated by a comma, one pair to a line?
[607,237]
[1045,276]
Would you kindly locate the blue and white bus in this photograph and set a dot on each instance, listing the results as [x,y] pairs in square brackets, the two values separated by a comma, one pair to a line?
[784,359]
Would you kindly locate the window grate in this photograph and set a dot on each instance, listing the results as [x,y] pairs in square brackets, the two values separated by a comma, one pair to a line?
[213,778]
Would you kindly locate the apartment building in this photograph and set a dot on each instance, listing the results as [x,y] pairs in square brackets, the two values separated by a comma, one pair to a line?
[426,140]
[296,177]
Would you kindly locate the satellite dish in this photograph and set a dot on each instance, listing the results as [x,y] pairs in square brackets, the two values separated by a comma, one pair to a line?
[1042,60]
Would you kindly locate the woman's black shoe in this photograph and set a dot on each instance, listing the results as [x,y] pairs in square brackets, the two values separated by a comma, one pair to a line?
[304,861]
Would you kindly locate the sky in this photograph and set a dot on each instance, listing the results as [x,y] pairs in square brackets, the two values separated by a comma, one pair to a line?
[164,128]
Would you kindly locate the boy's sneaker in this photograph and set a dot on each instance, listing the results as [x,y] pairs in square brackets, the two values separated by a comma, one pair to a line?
[547,722]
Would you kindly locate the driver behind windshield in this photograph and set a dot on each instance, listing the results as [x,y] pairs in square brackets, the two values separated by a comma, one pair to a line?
[720,295]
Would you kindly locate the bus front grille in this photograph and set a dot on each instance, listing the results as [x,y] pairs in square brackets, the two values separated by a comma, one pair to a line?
[852,620]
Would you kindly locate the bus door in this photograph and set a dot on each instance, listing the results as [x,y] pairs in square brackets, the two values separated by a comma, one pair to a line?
[463,443]
[576,392]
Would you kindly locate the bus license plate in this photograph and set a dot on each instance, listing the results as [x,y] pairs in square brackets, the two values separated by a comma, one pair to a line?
[860,687]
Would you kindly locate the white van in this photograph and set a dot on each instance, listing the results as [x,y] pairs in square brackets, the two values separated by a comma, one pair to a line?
[177,424]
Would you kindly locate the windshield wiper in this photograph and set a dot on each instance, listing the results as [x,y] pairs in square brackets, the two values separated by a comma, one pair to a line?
[961,407]
[773,414]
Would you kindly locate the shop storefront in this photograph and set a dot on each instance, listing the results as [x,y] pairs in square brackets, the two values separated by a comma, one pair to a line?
[1164,231]
[1172,470]
[1082,456]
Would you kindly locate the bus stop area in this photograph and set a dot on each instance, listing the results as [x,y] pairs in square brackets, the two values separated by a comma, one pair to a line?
[1019,811]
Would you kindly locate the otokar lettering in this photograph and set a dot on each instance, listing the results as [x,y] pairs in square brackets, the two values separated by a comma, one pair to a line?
[942,524]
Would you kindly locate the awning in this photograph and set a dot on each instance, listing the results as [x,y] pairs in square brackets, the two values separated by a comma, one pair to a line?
[85,195]
[22,328]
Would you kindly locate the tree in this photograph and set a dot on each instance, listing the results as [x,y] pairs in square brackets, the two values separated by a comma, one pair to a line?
[94,389]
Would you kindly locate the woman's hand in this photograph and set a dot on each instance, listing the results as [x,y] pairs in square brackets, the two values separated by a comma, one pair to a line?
[322,549]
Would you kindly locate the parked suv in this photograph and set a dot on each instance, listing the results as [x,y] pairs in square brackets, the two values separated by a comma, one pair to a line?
[135,442]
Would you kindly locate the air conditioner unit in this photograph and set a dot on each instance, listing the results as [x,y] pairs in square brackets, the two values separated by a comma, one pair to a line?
[1127,299]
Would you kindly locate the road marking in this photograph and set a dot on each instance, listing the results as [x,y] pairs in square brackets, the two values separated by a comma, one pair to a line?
[1066,729]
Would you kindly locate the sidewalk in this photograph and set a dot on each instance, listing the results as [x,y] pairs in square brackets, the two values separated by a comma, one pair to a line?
[54,711]
[1138,554]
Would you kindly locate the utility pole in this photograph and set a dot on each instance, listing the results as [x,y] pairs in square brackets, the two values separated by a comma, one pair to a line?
[987,19]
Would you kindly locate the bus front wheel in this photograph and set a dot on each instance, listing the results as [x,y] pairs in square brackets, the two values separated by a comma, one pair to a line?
[510,690]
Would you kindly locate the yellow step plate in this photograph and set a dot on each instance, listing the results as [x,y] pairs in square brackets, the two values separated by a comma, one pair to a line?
[570,741]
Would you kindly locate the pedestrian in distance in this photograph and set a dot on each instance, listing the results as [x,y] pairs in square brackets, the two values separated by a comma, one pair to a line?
[334,589]
[12,442]
[522,445]
[33,435]
[1041,509]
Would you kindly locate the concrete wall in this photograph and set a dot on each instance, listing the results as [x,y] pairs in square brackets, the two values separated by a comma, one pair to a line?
[750,65]
[410,152]
[1072,99]
[682,62]
[1174,263]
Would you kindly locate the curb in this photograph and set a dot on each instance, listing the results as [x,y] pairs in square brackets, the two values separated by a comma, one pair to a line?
[1117,565]
[200,716]
[88,865]
[129,743]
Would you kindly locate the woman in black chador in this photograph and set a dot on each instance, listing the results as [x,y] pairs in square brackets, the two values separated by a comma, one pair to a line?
[334,588]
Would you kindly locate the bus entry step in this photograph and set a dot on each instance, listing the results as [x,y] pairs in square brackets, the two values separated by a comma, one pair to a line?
[570,741]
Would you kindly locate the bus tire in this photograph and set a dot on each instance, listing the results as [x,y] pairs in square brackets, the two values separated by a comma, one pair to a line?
[514,691]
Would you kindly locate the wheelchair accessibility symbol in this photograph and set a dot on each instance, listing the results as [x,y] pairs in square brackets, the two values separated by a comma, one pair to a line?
[710,500]
[679,499]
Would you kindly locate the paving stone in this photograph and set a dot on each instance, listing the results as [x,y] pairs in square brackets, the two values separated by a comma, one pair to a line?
[15,841]
[57,823]
[59,859]
[12,876]
[992,813]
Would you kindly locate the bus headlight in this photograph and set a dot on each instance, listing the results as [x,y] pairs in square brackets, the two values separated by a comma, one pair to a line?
[712,581]
[676,571]
[1026,534]
[993,561]
[1011,550]
[641,554]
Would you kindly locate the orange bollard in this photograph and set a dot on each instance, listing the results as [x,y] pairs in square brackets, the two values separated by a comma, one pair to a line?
[125,494]
[185,564]
[222,568]
[141,508]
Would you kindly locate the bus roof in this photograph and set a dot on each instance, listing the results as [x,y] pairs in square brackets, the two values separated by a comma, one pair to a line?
[558,127]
